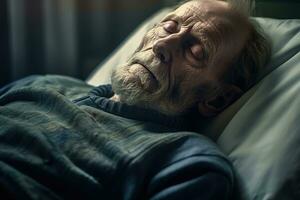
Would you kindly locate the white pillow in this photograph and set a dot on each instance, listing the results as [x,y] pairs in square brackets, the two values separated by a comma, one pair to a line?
[263,138]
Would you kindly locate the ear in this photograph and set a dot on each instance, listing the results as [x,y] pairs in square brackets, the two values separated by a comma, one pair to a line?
[214,105]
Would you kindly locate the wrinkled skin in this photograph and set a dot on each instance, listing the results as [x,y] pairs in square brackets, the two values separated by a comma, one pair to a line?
[182,61]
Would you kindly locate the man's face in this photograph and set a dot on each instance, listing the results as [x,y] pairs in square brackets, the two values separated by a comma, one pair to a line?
[183,59]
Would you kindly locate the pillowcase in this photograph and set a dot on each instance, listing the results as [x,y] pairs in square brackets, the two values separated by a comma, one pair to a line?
[263,137]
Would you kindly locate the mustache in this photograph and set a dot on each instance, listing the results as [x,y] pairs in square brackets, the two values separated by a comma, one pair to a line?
[143,56]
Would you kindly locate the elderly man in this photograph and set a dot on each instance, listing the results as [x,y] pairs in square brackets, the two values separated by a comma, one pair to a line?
[64,139]
[186,61]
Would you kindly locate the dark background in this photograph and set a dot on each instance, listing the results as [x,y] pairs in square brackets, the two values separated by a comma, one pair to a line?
[71,37]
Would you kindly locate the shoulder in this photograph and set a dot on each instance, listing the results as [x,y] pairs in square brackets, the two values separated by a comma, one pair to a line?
[185,166]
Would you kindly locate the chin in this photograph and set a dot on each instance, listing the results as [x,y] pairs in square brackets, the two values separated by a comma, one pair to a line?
[129,87]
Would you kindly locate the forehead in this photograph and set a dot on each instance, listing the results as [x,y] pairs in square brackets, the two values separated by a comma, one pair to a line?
[202,10]
[209,22]
[209,17]
[212,16]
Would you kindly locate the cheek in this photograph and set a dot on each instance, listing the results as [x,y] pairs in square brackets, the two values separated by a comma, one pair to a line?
[182,82]
[183,69]
[189,84]
[152,36]
[191,80]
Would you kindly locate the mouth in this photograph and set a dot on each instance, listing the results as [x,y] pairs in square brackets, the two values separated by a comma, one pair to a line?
[147,79]
[147,69]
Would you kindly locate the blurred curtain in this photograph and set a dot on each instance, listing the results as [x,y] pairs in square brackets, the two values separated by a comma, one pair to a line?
[67,37]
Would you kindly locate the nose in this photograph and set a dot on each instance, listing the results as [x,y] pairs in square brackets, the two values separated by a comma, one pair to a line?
[165,48]
[161,50]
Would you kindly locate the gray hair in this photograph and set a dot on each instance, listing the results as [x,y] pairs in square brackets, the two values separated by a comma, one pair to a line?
[251,61]
[245,7]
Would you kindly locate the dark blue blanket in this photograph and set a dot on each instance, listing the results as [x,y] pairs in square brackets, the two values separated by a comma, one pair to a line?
[52,148]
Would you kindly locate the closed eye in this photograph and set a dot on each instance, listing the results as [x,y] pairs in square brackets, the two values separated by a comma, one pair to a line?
[170,26]
[197,51]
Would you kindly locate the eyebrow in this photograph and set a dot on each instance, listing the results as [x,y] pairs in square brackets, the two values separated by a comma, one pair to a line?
[171,16]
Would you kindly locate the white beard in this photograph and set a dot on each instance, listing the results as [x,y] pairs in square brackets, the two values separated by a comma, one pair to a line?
[130,91]
[129,88]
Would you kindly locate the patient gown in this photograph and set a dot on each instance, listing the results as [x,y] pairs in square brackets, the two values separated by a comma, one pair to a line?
[63,139]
